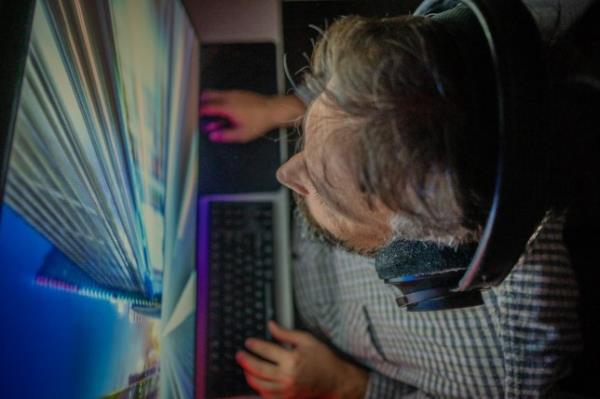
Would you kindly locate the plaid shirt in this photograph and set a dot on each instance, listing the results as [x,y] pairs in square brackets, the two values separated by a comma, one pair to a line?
[517,344]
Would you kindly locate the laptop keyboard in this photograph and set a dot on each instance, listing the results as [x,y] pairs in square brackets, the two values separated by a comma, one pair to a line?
[241,288]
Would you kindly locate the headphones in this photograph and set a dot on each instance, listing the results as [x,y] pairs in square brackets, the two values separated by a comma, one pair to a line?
[434,277]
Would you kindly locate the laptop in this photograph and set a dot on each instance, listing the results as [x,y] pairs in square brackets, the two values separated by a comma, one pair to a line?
[244,273]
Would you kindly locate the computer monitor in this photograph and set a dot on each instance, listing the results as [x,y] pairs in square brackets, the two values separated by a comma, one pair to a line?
[98,219]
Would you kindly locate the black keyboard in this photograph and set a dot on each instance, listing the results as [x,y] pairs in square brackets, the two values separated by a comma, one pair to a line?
[241,288]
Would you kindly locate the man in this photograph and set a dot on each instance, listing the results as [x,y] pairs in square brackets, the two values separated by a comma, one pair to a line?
[389,103]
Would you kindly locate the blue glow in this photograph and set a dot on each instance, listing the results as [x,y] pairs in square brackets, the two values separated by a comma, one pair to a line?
[97,240]
[57,344]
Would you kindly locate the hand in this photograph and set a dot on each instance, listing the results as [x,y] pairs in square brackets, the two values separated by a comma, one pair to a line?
[251,115]
[305,369]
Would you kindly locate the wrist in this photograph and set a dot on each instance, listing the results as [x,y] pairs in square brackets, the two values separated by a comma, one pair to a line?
[352,382]
[285,110]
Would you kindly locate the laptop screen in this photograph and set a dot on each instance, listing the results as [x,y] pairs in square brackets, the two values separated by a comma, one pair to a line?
[98,223]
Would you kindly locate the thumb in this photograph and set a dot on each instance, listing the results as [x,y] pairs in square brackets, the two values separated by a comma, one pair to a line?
[284,335]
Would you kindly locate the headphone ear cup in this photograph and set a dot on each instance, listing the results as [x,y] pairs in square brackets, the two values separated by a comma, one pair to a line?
[427,274]
[519,124]
[523,188]
[435,292]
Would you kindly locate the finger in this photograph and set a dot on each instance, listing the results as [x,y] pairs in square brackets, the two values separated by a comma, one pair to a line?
[294,337]
[255,366]
[212,95]
[212,126]
[228,136]
[214,110]
[267,350]
[264,387]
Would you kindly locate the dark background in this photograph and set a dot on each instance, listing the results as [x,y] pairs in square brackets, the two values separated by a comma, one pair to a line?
[298,15]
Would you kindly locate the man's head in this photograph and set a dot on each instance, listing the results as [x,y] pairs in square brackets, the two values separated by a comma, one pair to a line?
[378,158]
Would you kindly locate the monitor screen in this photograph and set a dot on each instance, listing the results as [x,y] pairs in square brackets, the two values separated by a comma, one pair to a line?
[98,223]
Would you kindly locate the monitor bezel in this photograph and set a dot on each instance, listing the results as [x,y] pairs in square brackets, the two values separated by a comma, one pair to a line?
[16,21]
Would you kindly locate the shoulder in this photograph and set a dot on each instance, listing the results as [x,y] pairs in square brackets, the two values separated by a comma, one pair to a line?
[537,313]
[544,269]
[552,17]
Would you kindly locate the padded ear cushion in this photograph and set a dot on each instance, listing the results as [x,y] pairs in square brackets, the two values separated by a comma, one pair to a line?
[419,258]
[426,274]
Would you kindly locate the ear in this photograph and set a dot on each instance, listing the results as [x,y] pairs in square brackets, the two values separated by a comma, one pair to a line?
[293,174]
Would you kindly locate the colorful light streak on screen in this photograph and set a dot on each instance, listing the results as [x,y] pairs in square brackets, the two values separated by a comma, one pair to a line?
[98,234]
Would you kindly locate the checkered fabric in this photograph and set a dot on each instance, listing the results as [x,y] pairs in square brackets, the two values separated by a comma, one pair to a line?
[518,344]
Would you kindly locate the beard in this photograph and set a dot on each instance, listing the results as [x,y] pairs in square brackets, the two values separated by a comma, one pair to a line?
[404,227]
[311,230]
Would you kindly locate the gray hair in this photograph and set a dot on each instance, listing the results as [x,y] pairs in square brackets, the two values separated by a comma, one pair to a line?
[399,81]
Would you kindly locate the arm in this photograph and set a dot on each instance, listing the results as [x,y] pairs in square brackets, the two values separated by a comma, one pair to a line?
[539,326]
[306,368]
[309,368]
[250,115]
[381,386]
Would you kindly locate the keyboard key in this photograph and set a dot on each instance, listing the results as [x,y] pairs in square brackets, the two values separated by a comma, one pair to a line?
[241,283]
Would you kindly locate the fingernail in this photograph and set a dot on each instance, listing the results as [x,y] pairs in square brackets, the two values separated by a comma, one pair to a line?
[239,357]
[215,136]
[248,343]
[212,126]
